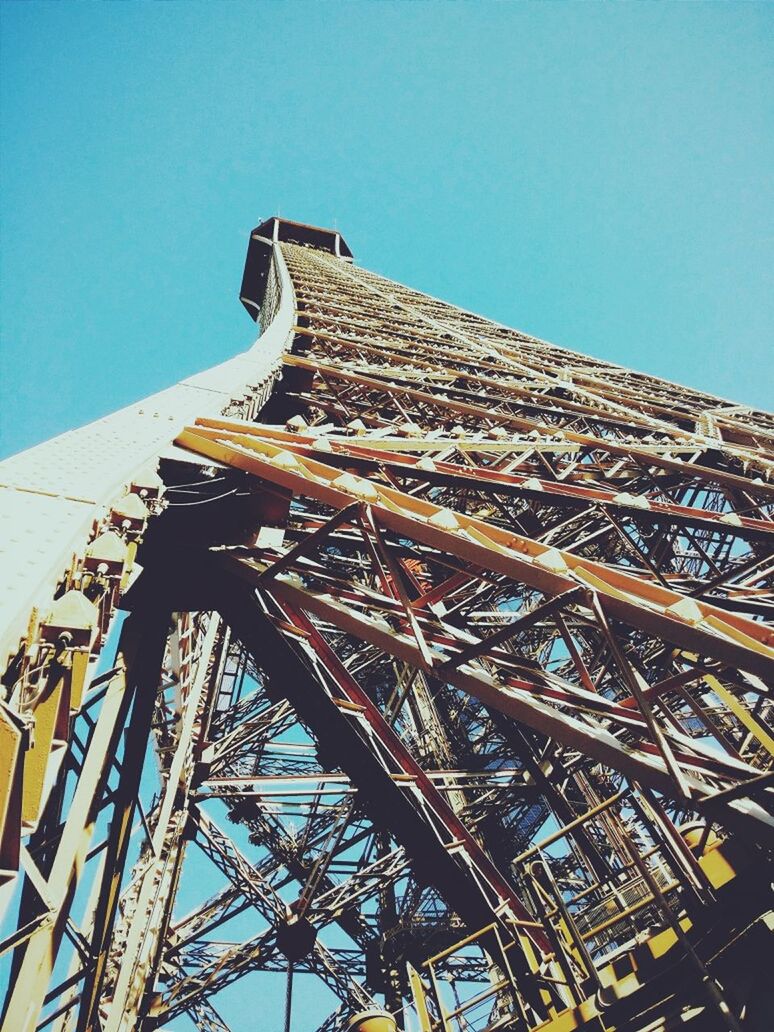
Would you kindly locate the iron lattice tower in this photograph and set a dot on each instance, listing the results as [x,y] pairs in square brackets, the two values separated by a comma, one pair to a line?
[446,647]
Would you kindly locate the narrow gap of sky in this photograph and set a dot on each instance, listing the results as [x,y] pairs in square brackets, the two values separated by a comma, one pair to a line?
[597,174]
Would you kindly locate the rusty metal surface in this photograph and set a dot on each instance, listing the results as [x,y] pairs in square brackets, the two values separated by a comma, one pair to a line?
[454,654]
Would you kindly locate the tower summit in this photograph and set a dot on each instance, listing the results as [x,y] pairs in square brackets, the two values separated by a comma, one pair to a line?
[404,653]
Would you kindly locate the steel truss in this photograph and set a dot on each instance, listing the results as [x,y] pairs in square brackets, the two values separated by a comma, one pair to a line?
[448,658]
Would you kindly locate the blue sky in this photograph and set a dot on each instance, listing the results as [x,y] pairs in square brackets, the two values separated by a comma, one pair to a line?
[596,174]
[599,175]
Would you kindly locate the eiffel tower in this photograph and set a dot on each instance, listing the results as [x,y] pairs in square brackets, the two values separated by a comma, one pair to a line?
[407,670]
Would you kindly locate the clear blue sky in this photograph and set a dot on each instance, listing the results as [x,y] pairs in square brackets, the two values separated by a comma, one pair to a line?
[599,175]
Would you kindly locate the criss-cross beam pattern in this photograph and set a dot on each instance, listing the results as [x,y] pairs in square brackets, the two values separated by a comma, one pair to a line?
[523,556]
[445,696]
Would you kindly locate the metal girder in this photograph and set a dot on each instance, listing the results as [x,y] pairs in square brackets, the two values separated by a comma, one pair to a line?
[455,666]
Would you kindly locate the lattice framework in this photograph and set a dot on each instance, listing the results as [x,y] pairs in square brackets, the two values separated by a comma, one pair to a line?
[454,651]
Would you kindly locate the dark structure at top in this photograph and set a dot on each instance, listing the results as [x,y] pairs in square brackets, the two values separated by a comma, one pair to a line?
[277,230]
